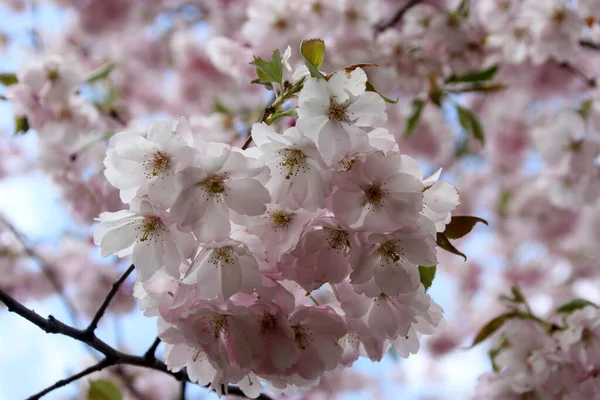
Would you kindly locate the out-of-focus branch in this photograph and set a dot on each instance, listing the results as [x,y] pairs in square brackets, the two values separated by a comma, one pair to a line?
[588,81]
[589,44]
[47,269]
[382,26]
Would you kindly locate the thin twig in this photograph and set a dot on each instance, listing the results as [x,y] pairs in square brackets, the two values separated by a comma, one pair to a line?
[266,114]
[113,291]
[589,44]
[182,392]
[151,353]
[382,26]
[47,269]
[588,81]
[64,382]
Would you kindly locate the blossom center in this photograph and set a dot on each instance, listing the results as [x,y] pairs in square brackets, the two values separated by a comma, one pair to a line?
[303,336]
[389,252]
[222,254]
[292,158]
[338,239]
[280,24]
[158,163]
[352,15]
[214,184]
[217,324]
[337,112]
[374,194]
[151,226]
[268,323]
[317,7]
[282,219]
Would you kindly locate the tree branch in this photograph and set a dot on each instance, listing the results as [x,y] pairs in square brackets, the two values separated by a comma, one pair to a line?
[589,44]
[182,392]
[151,353]
[382,26]
[112,356]
[113,291]
[64,382]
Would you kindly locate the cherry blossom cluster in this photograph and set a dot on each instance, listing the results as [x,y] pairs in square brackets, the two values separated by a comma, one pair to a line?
[286,260]
[500,93]
[541,359]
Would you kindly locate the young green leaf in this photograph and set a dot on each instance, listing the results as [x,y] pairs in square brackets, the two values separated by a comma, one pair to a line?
[460,225]
[573,305]
[313,52]
[281,114]
[491,327]
[100,73]
[7,78]
[103,390]
[371,88]
[471,123]
[475,76]
[443,242]
[415,115]
[21,125]
[269,72]
[427,275]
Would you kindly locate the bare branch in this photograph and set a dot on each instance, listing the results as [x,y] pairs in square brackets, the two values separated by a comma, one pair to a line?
[589,45]
[115,357]
[182,392]
[113,291]
[63,382]
[151,353]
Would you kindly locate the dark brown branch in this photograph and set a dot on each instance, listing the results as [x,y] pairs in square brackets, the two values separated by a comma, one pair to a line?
[589,45]
[266,114]
[113,291]
[64,382]
[182,392]
[151,353]
[112,356]
[382,26]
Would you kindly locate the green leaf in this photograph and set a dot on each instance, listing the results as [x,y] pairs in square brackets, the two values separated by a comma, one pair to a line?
[573,305]
[371,88]
[459,226]
[491,327]
[21,125]
[103,390]
[464,8]
[471,123]
[427,275]
[313,52]
[269,72]
[100,73]
[475,76]
[415,115]
[585,108]
[220,107]
[281,114]
[443,242]
[7,78]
